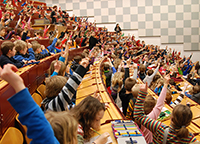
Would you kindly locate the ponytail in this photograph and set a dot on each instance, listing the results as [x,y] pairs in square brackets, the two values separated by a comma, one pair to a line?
[181,118]
[182,132]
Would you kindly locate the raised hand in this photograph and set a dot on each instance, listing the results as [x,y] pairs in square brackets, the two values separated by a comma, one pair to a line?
[128,61]
[57,66]
[144,87]
[97,95]
[135,66]
[8,74]
[84,62]
[167,78]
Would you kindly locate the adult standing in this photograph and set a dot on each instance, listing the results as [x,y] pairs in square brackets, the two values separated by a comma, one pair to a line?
[117,29]
[92,41]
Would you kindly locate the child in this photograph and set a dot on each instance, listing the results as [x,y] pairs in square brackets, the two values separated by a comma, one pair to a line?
[53,43]
[8,51]
[60,102]
[76,62]
[125,97]
[30,114]
[129,112]
[116,85]
[54,85]
[150,75]
[142,74]
[37,48]
[177,132]
[2,33]
[89,113]
[109,70]
[154,112]
[22,55]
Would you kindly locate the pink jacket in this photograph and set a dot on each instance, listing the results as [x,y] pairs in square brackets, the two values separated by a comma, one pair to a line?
[154,115]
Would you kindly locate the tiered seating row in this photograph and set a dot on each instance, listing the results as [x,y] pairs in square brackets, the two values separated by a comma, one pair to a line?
[93,82]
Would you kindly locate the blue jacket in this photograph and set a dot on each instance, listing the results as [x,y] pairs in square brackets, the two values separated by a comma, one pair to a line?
[27,57]
[31,115]
[44,51]
[52,47]
[4,59]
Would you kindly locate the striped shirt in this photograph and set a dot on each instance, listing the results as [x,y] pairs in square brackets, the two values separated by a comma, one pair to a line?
[60,102]
[156,127]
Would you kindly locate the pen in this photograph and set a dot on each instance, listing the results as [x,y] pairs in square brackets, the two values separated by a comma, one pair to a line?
[95,131]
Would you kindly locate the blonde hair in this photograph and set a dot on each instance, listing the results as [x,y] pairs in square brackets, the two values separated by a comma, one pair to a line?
[64,126]
[58,42]
[35,45]
[117,79]
[117,63]
[135,90]
[54,85]
[20,45]
[61,71]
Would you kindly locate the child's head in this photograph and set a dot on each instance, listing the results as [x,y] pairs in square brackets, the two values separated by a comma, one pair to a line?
[61,71]
[117,79]
[89,113]
[64,126]
[149,104]
[180,119]
[77,59]
[156,77]
[20,46]
[54,85]
[195,89]
[36,47]
[117,63]
[168,97]
[142,68]
[106,66]
[8,48]
[150,72]
[135,90]
[2,31]
[129,83]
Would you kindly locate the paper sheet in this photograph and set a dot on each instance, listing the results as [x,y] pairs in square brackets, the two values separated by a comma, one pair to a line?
[94,138]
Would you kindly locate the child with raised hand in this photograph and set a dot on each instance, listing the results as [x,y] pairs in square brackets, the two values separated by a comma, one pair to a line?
[22,48]
[180,119]
[60,102]
[156,110]
[31,115]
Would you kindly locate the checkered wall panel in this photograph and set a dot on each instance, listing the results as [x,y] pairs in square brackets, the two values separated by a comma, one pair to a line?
[175,21]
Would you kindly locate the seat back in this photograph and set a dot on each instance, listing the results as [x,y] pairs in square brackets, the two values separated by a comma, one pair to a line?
[12,136]
[37,98]
[41,90]
[23,129]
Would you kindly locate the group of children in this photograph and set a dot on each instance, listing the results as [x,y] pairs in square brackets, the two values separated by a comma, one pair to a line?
[60,120]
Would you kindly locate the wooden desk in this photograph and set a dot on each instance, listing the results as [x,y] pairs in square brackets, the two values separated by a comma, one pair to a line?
[107,128]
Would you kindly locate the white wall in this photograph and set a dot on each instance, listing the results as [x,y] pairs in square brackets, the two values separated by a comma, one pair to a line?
[110,27]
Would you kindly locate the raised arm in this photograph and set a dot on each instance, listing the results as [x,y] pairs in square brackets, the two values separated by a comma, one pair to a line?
[60,102]
[161,100]
[30,114]
[152,125]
